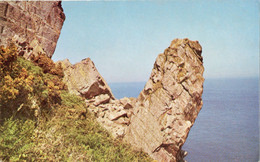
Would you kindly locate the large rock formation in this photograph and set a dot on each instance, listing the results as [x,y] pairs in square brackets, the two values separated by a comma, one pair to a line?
[33,26]
[159,120]
[169,103]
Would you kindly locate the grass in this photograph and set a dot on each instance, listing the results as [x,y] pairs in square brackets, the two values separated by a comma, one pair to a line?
[15,138]
[68,133]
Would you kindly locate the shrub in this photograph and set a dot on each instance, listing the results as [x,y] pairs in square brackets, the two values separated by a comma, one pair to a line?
[7,58]
[25,88]
[47,65]
[15,82]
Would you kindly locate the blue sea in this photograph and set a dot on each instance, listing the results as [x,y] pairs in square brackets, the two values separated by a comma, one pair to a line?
[227,127]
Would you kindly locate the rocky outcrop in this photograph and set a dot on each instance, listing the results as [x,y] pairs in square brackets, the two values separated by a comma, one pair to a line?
[84,80]
[169,103]
[159,120]
[33,25]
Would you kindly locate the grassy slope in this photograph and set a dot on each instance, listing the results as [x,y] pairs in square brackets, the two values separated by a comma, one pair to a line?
[67,133]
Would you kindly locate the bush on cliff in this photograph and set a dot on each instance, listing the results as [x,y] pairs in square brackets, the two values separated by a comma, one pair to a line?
[25,88]
[41,121]
[47,65]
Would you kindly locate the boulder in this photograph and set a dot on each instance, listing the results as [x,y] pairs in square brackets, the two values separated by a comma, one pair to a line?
[101,99]
[84,80]
[114,115]
[127,103]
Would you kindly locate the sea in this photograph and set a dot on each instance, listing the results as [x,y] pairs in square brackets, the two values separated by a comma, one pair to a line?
[227,127]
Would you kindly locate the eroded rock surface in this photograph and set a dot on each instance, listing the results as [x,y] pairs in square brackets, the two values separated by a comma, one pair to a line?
[169,102]
[34,26]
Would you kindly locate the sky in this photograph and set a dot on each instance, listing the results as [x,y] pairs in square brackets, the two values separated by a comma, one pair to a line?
[123,38]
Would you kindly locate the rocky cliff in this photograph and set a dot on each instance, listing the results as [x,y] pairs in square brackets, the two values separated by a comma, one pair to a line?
[34,26]
[159,120]
[169,103]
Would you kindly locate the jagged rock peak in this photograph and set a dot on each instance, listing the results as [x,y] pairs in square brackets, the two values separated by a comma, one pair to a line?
[169,103]
[24,22]
[83,79]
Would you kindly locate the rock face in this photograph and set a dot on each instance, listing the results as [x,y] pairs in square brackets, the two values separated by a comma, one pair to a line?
[33,25]
[84,80]
[159,120]
[169,103]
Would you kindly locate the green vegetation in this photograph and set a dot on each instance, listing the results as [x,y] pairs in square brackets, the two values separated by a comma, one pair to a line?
[25,88]
[41,121]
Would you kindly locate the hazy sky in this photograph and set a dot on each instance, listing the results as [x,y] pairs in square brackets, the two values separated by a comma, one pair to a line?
[124,38]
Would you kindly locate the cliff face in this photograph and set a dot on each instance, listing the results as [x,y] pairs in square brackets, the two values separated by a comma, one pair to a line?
[159,120]
[32,25]
[169,103]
